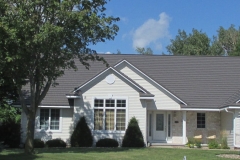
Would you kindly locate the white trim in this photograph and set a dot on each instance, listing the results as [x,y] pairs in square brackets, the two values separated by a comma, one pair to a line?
[55,107]
[49,130]
[238,101]
[73,96]
[230,107]
[184,127]
[115,109]
[106,71]
[151,80]
[146,97]
[198,109]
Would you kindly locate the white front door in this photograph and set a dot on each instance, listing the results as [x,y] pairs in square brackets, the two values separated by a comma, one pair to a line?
[159,126]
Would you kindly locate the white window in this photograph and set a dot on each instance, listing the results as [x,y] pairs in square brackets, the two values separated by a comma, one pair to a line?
[50,119]
[110,114]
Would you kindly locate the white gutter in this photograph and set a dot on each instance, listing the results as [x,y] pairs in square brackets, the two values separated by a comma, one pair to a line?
[73,96]
[198,109]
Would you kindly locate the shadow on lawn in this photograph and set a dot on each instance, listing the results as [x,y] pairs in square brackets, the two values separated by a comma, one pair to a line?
[11,154]
[81,150]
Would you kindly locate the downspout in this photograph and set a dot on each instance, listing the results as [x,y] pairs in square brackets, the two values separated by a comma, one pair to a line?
[233,126]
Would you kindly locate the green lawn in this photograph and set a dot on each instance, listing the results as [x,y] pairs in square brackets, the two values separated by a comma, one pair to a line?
[118,153]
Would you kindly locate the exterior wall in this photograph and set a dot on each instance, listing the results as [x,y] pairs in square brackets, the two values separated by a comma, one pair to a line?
[237,128]
[212,123]
[161,100]
[64,134]
[177,127]
[120,88]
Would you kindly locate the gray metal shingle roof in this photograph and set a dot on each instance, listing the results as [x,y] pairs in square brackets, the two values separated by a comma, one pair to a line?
[201,82]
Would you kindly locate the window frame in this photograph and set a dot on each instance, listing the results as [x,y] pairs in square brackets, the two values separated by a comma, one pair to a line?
[200,126]
[49,120]
[115,108]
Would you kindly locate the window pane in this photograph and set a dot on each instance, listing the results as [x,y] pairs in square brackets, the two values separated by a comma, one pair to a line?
[44,119]
[121,118]
[98,119]
[150,125]
[55,116]
[169,125]
[121,103]
[110,103]
[159,122]
[200,120]
[109,119]
[98,102]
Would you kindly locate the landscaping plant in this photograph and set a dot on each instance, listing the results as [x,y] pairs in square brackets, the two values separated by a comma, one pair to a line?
[107,142]
[81,136]
[133,136]
[56,143]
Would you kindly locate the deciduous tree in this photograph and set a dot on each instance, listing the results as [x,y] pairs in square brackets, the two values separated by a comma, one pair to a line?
[42,38]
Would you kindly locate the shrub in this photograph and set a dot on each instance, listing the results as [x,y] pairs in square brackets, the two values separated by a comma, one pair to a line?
[198,143]
[38,143]
[56,143]
[213,144]
[10,133]
[133,136]
[107,142]
[224,144]
[81,136]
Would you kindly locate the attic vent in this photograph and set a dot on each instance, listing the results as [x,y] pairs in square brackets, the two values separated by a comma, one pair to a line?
[110,79]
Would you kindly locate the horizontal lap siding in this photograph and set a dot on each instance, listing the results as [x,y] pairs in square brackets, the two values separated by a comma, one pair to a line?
[119,88]
[162,101]
[64,134]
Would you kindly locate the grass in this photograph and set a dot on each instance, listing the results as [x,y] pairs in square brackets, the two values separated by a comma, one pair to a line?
[115,153]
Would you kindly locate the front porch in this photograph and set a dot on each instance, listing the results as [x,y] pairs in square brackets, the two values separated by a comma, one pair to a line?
[175,127]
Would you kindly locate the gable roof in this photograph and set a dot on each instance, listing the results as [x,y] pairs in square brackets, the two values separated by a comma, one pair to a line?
[199,81]
[142,91]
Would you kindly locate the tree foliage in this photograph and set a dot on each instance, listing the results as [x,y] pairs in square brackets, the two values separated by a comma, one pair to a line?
[142,50]
[226,42]
[195,43]
[40,39]
[133,136]
[81,136]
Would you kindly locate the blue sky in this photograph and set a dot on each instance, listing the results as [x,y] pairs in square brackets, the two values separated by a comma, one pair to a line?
[152,23]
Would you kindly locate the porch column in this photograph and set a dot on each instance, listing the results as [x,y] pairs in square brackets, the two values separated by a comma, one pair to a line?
[184,127]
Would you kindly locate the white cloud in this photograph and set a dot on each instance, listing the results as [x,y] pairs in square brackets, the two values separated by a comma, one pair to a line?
[152,31]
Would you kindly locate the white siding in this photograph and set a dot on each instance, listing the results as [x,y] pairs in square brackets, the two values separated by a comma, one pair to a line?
[64,134]
[237,127]
[162,100]
[120,88]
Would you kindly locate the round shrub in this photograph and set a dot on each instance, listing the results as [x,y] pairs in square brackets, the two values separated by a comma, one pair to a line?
[56,143]
[38,143]
[107,142]
[82,135]
[133,136]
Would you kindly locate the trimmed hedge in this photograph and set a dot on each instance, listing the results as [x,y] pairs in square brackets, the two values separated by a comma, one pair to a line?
[38,143]
[56,143]
[107,142]
[82,135]
[133,136]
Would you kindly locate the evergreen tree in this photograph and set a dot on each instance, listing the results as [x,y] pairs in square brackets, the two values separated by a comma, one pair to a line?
[81,136]
[133,136]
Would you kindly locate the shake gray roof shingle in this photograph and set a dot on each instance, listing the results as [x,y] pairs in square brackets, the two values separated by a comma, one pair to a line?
[201,82]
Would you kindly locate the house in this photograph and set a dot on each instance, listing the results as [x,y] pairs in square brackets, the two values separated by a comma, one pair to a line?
[173,98]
